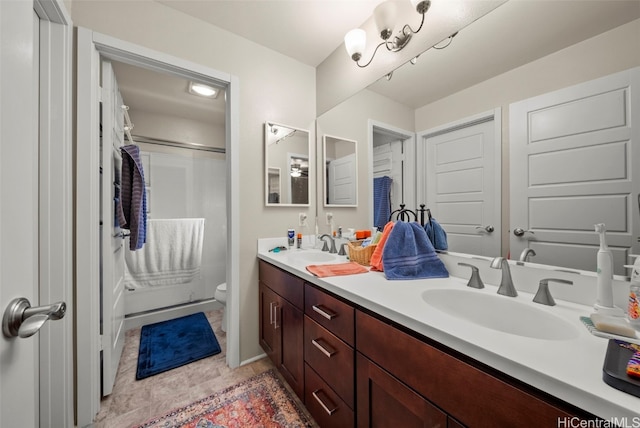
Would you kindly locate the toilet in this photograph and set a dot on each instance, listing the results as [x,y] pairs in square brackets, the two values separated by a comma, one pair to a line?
[221,296]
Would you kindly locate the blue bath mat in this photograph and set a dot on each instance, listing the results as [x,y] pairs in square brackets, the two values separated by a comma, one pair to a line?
[174,343]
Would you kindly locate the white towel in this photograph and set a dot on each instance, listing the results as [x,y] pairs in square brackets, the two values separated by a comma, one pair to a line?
[172,254]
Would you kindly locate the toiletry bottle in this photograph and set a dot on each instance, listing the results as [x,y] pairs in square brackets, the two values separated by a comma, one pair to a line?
[604,271]
[291,235]
[633,309]
[299,241]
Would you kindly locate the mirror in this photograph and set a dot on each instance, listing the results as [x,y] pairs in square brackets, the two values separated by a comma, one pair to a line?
[340,172]
[287,151]
[480,70]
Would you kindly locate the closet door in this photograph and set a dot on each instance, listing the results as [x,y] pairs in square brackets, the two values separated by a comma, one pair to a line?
[112,248]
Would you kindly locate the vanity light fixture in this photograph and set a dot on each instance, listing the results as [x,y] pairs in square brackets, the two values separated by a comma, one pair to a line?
[384,15]
[203,90]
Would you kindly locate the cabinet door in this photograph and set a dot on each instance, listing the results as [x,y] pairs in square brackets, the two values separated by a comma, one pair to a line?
[384,401]
[289,321]
[270,336]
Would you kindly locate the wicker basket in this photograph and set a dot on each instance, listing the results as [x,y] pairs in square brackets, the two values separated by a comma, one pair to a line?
[360,255]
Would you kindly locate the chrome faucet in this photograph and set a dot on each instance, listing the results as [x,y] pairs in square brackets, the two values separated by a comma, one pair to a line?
[506,285]
[333,244]
[524,256]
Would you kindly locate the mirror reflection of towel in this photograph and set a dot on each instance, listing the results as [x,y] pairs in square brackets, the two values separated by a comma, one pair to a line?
[436,234]
[409,254]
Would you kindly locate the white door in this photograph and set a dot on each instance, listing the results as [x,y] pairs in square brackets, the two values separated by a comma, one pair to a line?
[18,207]
[575,163]
[35,263]
[461,183]
[112,272]
[388,161]
[342,180]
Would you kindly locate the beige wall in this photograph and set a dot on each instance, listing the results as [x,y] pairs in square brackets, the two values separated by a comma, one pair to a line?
[270,88]
[610,52]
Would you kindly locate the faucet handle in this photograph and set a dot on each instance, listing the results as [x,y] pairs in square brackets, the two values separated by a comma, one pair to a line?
[543,295]
[474,281]
[325,247]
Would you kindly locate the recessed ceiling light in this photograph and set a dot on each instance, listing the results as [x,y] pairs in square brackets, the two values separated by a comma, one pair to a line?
[203,90]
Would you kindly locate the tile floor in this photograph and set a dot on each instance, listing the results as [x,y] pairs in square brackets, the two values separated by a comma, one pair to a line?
[135,401]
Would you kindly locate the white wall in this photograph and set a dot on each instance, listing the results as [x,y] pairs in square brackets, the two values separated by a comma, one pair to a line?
[607,53]
[270,88]
[179,129]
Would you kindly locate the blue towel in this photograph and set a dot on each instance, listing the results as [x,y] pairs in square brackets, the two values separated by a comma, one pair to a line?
[132,204]
[381,201]
[408,254]
[436,234]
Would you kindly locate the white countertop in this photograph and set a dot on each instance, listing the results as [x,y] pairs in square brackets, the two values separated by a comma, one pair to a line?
[568,369]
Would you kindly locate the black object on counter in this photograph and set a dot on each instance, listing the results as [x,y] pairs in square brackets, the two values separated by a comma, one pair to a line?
[614,371]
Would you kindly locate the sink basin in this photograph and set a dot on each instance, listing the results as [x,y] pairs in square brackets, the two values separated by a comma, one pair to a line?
[312,256]
[500,313]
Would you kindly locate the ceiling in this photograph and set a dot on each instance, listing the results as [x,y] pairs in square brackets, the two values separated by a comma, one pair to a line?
[514,34]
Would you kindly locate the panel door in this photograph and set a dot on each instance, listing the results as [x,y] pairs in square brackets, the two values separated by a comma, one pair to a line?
[574,163]
[462,177]
[112,251]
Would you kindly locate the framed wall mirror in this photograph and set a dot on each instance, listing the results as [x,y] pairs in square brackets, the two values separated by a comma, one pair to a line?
[340,162]
[287,166]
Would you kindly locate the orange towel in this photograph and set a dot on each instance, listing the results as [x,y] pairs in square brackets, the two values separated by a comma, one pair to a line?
[376,257]
[336,269]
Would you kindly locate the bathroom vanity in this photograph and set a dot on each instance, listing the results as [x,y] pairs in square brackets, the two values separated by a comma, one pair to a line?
[362,350]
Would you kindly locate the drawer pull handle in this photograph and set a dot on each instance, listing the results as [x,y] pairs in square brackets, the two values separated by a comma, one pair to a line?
[324,406]
[325,351]
[323,311]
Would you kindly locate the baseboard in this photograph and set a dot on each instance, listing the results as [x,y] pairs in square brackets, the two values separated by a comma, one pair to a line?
[150,317]
[251,360]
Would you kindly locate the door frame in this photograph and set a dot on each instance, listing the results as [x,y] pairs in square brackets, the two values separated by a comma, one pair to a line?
[408,165]
[90,46]
[421,152]
[56,212]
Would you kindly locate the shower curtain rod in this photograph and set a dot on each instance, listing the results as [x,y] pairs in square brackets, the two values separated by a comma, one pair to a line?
[189,146]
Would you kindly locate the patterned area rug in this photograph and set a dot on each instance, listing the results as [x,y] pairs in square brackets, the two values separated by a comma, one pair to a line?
[261,401]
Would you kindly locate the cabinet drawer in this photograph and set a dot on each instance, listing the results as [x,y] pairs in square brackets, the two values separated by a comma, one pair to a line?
[324,404]
[470,395]
[283,283]
[331,358]
[331,313]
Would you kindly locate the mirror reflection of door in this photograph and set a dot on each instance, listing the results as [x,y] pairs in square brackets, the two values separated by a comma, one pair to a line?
[341,172]
[460,167]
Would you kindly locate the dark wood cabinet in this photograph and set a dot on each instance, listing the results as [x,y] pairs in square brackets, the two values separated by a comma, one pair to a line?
[467,393]
[384,401]
[352,367]
[282,323]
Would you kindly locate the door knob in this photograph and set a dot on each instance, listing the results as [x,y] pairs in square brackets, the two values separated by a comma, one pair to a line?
[487,229]
[20,319]
[518,231]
